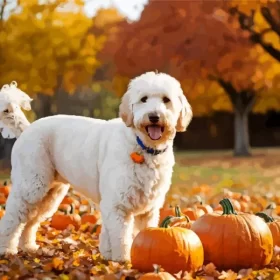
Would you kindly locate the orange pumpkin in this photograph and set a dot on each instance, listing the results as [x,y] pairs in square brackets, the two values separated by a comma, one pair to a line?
[179,220]
[157,275]
[70,200]
[274,227]
[244,236]
[205,208]
[193,213]
[5,189]
[2,198]
[91,217]
[166,211]
[173,248]
[61,221]
[2,211]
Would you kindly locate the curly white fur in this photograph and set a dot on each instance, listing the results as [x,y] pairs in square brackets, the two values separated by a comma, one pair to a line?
[12,119]
[94,156]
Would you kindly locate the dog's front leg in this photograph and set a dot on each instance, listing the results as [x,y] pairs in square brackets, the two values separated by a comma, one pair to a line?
[149,219]
[119,227]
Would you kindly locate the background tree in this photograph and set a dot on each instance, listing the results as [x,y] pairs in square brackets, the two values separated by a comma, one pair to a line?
[47,48]
[262,20]
[200,44]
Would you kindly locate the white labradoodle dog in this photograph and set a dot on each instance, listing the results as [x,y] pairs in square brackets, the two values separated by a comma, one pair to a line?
[95,157]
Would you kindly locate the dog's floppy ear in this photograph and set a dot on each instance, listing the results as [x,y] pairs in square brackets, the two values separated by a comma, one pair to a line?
[185,115]
[125,110]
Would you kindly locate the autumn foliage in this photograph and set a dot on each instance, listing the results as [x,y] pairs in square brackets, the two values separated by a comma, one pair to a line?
[203,44]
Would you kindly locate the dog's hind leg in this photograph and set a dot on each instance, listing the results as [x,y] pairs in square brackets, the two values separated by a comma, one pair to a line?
[48,207]
[23,204]
[104,243]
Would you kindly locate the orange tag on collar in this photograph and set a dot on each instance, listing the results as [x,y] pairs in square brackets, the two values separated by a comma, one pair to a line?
[137,158]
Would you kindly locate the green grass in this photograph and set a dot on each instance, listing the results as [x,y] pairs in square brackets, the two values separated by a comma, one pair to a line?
[220,169]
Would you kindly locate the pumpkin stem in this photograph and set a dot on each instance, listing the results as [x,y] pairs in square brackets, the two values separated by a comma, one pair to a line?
[265,217]
[157,268]
[165,222]
[227,207]
[5,183]
[271,206]
[94,229]
[178,213]
[71,211]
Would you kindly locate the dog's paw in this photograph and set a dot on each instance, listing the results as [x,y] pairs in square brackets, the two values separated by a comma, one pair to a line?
[4,251]
[107,255]
[120,257]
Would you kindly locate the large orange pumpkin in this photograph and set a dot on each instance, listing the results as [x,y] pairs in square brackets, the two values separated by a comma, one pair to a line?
[233,241]
[274,227]
[173,248]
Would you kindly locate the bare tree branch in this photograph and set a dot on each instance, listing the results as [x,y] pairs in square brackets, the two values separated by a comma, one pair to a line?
[247,23]
[270,20]
[2,10]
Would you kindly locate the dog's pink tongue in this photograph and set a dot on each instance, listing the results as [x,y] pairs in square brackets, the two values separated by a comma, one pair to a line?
[154,132]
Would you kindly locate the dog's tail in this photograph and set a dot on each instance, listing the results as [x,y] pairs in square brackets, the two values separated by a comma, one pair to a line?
[12,119]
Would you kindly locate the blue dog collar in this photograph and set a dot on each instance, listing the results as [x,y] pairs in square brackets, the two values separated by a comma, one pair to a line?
[149,150]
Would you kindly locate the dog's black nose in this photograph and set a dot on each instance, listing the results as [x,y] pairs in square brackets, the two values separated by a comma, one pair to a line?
[154,117]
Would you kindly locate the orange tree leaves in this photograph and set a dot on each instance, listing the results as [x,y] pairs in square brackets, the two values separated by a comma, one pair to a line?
[194,41]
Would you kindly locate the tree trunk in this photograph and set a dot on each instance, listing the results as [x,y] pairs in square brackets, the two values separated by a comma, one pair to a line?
[242,102]
[42,107]
[241,134]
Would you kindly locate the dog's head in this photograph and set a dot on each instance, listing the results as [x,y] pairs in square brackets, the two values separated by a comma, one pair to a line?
[12,100]
[156,107]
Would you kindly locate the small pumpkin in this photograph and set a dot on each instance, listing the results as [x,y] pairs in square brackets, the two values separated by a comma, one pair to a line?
[273,225]
[198,202]
[173,248]
[70,200]
[166,211]
[244,236]
[3,199]
[193,213]
[157,275]
[62,220]
[2,211]
[5,189]
[179,220]
[91,217]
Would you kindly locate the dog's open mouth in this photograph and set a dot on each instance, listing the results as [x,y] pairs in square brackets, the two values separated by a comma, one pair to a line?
[155,131]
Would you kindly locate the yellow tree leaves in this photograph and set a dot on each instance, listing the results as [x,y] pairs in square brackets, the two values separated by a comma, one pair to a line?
[48,47]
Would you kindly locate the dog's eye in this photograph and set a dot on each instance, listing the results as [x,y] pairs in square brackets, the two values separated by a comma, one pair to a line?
[144,99]
[6,111]
[166,100]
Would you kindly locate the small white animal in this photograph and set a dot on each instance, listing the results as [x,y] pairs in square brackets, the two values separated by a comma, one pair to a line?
[95,157]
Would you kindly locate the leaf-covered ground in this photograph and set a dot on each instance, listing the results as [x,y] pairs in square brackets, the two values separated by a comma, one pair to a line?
[73,254]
